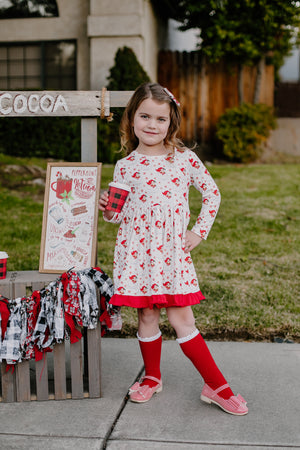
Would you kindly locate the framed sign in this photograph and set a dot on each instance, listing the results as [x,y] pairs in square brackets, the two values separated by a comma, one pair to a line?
[70,218]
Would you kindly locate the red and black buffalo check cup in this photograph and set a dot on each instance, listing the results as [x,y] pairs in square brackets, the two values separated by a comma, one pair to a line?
[117,194]
[3,262]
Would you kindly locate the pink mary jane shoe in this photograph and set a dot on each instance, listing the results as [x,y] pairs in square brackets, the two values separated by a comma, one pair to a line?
[234,405]
[142,394]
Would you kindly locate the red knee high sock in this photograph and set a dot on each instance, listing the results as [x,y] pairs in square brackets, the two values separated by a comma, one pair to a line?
[151,353]
[195,348]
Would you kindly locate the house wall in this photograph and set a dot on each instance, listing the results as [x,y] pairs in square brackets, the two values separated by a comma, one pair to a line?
[71,24]
[113,24]
[100,27]
[286,138]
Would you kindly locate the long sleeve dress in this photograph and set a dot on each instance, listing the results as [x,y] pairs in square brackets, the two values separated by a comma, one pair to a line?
[150,265]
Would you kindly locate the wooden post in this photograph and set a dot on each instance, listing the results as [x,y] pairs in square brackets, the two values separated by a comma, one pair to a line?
[89,139]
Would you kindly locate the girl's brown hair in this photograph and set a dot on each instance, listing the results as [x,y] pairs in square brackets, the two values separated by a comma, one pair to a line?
[129,141]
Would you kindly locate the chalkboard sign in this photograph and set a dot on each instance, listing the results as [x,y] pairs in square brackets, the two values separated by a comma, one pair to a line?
[70,219]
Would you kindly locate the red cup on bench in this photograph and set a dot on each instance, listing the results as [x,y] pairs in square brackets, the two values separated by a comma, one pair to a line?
[3,262]
[117,194]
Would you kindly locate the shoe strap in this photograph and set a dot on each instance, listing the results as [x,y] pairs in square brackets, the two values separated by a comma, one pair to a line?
[221,388]
[149,377]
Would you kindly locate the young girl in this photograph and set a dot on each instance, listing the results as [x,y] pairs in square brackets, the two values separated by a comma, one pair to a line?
[153,268]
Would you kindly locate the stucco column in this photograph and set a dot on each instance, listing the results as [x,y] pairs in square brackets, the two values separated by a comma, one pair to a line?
[113,25]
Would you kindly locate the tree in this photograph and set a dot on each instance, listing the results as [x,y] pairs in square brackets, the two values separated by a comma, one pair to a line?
[13,9]
[244,31]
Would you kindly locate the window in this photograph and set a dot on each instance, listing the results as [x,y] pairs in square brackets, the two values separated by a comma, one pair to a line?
[34,66]
[18,9]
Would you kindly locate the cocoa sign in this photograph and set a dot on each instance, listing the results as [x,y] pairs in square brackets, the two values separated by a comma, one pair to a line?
[34,103]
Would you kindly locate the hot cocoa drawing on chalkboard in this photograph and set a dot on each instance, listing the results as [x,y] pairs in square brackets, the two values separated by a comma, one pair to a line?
[69,234]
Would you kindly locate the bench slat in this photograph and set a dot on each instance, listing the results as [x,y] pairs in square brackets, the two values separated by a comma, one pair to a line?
[76,369]
[6,289]
[60,385]
[94,361]
[41,373]
[20,289]
[9,391]
[23,381]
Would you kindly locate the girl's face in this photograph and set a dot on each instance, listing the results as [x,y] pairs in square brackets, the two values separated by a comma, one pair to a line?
[151,123]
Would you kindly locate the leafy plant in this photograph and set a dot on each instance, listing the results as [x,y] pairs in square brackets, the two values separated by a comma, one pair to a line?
[127,73]
[22,9]
[241,30]
[243,130]
[42,137]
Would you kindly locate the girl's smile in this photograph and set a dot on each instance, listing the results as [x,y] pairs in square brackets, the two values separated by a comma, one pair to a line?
[151,123]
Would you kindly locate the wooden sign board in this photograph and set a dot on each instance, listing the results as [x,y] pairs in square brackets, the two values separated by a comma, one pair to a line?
[70,218]
[61,103]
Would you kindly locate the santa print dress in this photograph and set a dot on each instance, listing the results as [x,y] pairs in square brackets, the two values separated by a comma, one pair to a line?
[150,265]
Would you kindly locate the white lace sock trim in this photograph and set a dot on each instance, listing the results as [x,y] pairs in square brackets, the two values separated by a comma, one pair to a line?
[188,338]
[149,339]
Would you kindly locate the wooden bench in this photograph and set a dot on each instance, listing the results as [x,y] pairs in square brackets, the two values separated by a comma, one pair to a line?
[70,371]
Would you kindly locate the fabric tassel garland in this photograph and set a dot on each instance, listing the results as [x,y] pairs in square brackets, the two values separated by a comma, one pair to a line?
[31,326]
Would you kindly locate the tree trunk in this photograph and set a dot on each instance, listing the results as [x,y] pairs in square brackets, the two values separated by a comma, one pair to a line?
[260,69]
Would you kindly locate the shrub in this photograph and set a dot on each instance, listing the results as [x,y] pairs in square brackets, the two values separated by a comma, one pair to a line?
[125,75]
[243,130]
[42,137]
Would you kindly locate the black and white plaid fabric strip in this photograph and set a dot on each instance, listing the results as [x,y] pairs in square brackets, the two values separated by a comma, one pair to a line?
[90,309]
[10,348]
[103,282]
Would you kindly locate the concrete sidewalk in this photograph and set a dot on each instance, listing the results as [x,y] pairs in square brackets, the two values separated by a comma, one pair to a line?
[267,375]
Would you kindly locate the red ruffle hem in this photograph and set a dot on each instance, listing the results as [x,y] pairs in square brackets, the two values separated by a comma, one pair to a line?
[160,301]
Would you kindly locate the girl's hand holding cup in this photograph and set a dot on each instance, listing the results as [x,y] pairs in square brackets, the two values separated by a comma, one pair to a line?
[103,201]
[112,202]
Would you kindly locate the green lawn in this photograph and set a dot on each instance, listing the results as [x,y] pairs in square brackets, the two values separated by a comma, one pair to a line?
[248,268]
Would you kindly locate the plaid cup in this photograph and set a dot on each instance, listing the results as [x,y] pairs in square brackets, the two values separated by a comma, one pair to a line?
[117,194]
[3,268]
